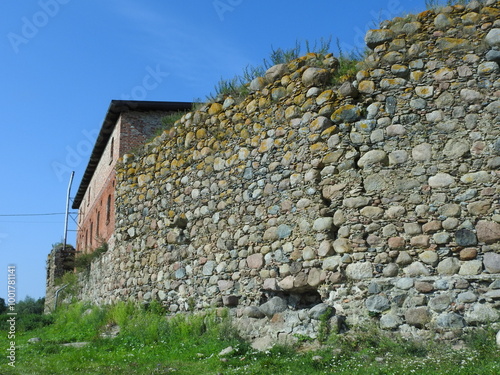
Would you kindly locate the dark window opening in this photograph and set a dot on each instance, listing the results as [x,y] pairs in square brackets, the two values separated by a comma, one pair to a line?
[91,233]
[111,150]
[108,210]
[97,224]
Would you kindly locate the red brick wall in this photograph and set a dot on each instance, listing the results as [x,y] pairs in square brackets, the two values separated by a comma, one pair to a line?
[97,223]
[96,219]
[137,128]
[94,228]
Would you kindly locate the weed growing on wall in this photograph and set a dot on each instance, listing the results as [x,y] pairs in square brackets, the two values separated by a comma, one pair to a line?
[348,65]
[283,56]
[435,4]
[237,87]
[324,326]
[230,87]
[168,121]
[69,278]
[83,261]
[68,286]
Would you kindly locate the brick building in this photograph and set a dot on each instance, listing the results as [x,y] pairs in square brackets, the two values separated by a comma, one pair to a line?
[127,125]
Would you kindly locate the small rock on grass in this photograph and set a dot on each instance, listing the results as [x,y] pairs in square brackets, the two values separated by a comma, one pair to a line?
[226,351]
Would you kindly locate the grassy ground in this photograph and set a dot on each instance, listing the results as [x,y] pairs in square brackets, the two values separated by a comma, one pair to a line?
[150,344]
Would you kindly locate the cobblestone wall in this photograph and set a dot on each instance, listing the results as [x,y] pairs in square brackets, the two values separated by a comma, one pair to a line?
[60,260]
[377,196]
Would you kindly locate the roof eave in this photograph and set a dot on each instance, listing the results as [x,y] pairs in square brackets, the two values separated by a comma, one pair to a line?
[116,108]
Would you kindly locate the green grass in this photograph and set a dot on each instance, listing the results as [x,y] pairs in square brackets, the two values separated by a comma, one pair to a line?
[150,343]
[83,261]
[436,4]
[237,87]
[169,121]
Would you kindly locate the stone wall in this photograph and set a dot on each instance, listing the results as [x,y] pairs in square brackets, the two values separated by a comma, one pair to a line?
[59,261]
[377,196]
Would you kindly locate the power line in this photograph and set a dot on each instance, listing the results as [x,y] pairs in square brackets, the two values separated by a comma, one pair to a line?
[30,222]
[48,214]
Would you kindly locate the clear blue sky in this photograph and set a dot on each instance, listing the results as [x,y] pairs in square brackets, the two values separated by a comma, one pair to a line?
[63,61]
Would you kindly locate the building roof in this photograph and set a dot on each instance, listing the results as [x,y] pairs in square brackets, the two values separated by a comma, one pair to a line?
[115,109]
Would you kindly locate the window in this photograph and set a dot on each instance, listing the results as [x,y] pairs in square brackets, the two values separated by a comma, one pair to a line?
[111,149]
[97,224]
[91,231]
[108,209]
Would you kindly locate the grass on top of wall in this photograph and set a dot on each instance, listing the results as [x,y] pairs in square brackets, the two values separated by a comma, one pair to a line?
[83,260]
[237,87]
[436,4]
